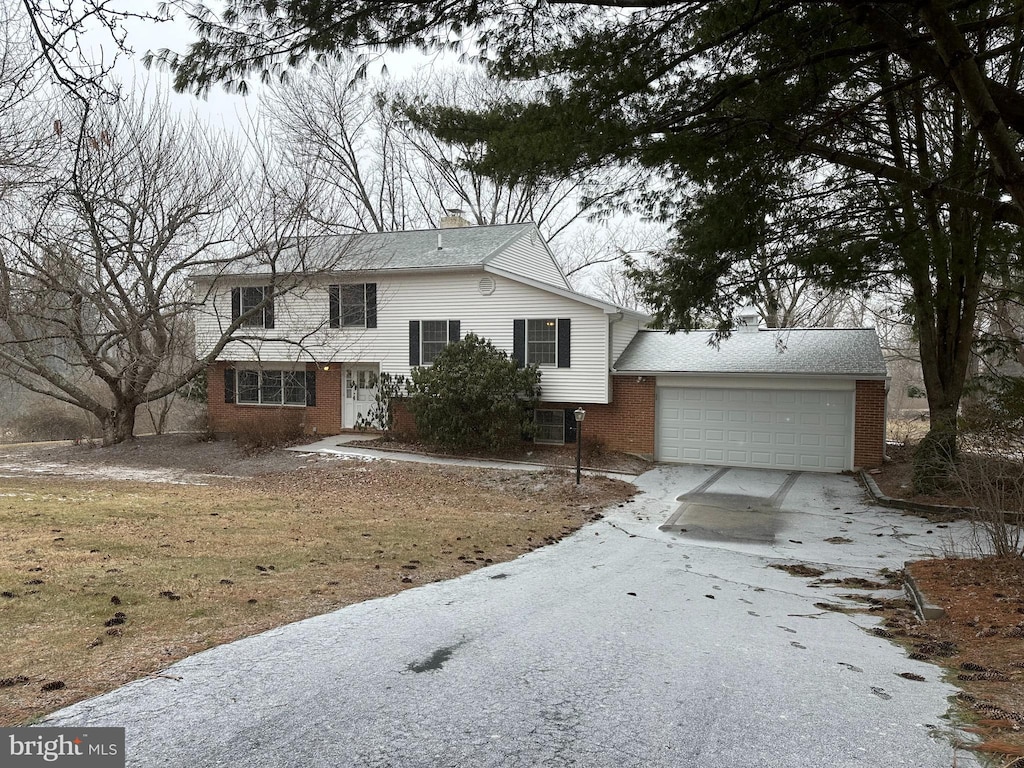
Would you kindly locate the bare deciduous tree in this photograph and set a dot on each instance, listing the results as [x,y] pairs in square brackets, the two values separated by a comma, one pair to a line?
[354,132]
[95,300]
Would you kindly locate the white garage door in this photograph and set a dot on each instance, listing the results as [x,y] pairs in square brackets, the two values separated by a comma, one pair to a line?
[785,429]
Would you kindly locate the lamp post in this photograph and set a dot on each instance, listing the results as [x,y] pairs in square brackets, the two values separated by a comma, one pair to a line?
[579,413]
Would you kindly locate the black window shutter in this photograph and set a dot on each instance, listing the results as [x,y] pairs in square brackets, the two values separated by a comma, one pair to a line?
[310,388]
[333,306]
[414,342]
[236,303]
[268,311]
[371,305]
[570,425]
[564,336]
[453,331]
[519,342]
[229,385]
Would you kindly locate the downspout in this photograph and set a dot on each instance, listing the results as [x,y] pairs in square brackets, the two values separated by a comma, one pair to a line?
[613,317]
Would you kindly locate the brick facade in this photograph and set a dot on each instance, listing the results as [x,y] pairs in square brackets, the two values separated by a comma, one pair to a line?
[869,424]
[322,419]
[627,422]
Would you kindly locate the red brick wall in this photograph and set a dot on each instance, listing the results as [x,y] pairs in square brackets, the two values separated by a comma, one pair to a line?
[869,424]
[324,418]
[402,423]
[627,422]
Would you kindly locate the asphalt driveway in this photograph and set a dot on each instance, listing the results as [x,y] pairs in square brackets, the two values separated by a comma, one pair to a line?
[624,645]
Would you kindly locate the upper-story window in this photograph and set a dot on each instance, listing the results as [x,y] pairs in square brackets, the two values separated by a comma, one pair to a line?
[353,305]
[542,341]
[254,304]
[428,337]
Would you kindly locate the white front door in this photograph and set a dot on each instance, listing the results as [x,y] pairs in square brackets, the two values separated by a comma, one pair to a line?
[360,392]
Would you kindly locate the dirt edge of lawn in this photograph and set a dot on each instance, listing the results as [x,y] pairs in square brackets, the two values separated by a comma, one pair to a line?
[978,641]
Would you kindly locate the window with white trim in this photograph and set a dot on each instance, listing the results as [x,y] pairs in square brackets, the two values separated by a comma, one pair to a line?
[542,342]
[271,387]
[353,305]
[428,337]
[250,298]
[549,426]
[433,338]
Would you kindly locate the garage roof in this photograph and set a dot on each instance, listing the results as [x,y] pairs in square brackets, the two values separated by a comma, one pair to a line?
[773,351]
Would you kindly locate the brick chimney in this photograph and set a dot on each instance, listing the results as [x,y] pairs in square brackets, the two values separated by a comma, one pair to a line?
[748,320]
[453,219]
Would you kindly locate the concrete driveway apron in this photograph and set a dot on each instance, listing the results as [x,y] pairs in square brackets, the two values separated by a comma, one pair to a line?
[623,645]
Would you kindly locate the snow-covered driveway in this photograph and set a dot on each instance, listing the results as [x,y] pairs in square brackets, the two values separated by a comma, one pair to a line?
[622,645]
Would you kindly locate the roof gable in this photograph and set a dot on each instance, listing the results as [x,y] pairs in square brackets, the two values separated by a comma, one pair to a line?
[776,351]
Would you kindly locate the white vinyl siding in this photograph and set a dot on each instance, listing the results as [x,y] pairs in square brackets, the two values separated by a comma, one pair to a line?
[623,332]
[528,256]
[303,315]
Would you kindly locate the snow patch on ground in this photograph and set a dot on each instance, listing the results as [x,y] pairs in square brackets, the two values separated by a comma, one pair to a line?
[102,472]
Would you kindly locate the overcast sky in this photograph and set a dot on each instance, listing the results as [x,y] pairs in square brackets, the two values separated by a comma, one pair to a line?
[219,107]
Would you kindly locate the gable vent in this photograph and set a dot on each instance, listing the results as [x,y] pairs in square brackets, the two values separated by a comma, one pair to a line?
[486,286]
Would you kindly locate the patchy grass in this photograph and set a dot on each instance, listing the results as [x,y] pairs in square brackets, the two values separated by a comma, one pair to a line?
[102,582]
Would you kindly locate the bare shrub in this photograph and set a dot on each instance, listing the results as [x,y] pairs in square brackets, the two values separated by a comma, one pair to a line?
[990,474]
[905,432]
[274,429]
[47,421]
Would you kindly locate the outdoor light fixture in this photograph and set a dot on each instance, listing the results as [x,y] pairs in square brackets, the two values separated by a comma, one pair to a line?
[579,413]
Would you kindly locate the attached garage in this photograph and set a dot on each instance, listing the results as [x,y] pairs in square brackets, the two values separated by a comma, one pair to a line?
[800,399]
[777,428]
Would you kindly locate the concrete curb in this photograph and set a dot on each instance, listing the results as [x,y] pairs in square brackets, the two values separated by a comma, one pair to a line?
[910,506]
[927,611]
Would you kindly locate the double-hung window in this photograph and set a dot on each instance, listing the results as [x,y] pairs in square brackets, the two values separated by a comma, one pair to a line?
[544,342]
[428,337]
[433,338]
[254,305]
[541,342]
[352,305]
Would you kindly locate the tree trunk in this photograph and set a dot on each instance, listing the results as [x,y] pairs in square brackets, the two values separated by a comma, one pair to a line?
[119,424]
[936,453]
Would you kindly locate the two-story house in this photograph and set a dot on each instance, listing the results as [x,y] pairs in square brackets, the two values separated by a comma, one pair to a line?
[352,307]
[366,304]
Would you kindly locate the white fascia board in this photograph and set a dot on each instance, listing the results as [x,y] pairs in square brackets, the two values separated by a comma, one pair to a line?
[339,273]
[604,306]
[753,374]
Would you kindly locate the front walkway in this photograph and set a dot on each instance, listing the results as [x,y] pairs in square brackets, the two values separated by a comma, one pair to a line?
[348,445]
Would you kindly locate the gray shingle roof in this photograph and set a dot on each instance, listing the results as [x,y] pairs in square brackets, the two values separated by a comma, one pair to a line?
[411,249]
[782,351]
